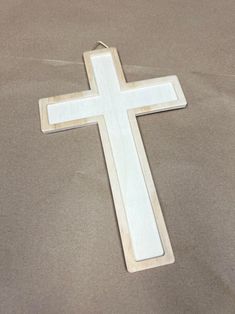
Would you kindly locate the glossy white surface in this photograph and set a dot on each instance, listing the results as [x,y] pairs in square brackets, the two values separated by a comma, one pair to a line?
[113,103]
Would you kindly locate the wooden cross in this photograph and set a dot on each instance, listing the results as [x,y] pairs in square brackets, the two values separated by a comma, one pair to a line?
[114,104]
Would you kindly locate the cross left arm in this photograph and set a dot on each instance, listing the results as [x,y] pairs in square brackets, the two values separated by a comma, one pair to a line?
[61,112]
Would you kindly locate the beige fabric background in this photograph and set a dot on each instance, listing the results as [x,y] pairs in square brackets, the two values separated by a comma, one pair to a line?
[60,250]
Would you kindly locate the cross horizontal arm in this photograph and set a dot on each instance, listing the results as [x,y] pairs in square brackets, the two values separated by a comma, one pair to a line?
[154,94]
[74,109]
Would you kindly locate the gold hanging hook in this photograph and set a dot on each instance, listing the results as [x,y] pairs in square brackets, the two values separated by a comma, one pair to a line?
[100,43]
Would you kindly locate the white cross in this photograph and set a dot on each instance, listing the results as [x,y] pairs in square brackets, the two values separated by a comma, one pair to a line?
[114,104]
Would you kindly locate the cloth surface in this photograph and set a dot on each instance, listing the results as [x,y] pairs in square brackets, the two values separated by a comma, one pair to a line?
[60,250]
